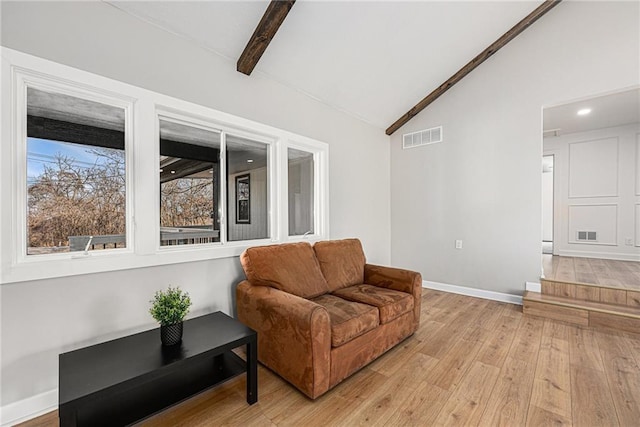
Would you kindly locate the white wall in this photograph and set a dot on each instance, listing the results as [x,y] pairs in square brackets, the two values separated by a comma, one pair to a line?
[40,319]
[595,190]
[482,184]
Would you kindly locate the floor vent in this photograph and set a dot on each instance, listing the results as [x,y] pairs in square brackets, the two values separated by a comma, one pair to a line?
[422,137]
[587,236]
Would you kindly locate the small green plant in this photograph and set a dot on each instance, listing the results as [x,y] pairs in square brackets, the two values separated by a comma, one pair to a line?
[170,306]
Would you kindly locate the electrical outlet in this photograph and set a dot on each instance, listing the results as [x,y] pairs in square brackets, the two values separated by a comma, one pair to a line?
[628,241]
[458,244]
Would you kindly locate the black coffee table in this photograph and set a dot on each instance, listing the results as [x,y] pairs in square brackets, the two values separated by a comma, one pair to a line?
[125,380]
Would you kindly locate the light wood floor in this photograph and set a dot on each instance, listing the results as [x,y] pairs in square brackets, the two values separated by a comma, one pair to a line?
[610,273]
[472,362]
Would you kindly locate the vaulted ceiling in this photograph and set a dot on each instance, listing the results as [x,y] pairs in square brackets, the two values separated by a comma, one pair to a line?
[373,60]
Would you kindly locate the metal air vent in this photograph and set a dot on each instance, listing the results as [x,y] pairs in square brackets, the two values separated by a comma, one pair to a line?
[587,236]
[422,137]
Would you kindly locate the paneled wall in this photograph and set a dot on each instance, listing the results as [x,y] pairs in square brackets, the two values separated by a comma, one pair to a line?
[637,221]
[597,189]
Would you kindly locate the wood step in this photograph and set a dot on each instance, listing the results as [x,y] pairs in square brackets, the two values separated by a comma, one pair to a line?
[591,292]
[581,312]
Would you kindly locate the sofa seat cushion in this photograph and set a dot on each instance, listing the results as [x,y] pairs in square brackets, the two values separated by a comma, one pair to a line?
[391,304]
[348,319]
[290,267]
[341,261]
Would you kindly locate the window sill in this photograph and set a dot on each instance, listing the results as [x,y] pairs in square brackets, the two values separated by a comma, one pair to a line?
[76,265]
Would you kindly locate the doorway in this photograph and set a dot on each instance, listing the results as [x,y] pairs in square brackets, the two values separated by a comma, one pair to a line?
[547,204]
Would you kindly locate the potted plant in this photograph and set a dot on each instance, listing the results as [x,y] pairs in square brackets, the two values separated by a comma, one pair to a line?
[169,308]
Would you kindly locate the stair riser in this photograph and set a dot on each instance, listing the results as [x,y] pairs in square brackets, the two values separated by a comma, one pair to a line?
[604,320]
[575,316]
[591,293]
[583,317]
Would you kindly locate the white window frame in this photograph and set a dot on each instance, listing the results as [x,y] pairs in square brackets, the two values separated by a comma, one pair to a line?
[272,166]
[320,173]
[190,119]
[143,109]
[24,80]
[162,115]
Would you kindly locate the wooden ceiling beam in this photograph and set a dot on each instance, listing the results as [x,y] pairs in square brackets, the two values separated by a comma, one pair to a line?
[475,62]
[265,31]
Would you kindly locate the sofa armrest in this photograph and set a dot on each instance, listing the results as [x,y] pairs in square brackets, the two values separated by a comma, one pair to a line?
[397,279]
[294,335]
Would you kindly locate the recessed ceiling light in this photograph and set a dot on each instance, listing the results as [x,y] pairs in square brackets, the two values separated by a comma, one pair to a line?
[584,111]
[161,170]
[173,171]
[250,161]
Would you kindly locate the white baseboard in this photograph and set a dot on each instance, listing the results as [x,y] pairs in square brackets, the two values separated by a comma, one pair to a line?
[533,287]
[31,407]
[473,292]
[601,255]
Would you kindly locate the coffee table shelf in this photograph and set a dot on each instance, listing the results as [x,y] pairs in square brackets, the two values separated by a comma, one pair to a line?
[123,381]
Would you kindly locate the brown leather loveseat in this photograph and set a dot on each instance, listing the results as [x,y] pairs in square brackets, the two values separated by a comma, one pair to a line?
[321,312]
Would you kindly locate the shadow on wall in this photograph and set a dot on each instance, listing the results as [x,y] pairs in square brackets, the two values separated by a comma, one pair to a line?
[233,287]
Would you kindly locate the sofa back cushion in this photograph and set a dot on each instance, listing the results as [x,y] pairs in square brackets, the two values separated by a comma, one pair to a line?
[341,261]
[291,267]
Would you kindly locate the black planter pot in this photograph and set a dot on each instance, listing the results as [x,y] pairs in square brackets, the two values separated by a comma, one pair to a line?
[171,334]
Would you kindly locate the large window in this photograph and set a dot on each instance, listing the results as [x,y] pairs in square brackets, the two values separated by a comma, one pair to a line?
[76,180]
[98,175]
[189,184]
[191,179]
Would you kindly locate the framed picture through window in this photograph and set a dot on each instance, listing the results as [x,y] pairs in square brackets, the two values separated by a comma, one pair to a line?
[243,199]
